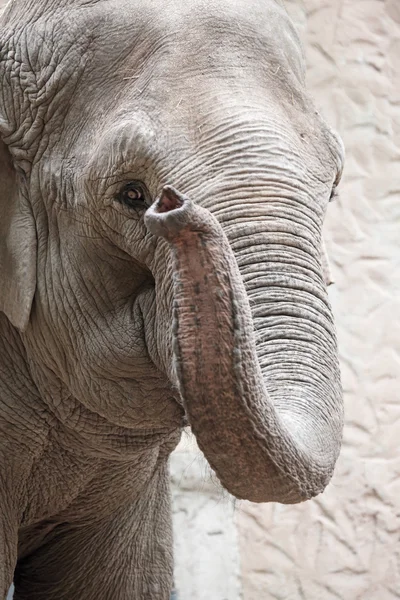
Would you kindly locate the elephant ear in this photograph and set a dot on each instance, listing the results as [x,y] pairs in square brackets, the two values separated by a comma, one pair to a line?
[18,246]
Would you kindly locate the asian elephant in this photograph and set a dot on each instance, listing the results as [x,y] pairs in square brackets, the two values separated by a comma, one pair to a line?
[164,178]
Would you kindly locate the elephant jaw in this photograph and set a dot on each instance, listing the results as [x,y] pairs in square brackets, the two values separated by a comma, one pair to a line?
[260,451]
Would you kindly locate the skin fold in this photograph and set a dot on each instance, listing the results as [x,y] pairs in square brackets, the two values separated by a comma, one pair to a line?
[198,297]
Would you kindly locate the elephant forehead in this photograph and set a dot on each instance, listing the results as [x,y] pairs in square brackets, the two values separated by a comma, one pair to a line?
[108,42]
[198,36]
[178,65]
[230,35]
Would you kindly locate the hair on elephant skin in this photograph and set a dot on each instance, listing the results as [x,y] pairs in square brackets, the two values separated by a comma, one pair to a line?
[164,178]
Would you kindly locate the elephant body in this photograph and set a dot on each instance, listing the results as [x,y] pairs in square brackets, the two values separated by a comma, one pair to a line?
[163,182]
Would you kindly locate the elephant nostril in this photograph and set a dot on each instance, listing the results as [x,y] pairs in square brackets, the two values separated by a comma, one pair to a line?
[173,213]
[170,199]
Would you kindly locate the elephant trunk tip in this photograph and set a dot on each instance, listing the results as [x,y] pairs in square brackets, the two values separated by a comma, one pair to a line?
[169,214]
[173,213]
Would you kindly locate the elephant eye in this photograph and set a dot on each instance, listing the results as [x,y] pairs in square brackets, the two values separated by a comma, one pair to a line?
[134,194]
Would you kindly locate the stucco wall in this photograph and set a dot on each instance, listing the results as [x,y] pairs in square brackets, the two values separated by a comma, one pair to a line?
[207,563]
[345,544]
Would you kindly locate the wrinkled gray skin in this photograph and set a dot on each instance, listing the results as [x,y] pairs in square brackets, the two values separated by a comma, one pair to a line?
[116,323]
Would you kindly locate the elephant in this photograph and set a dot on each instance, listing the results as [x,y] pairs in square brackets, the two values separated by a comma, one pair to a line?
[164,178]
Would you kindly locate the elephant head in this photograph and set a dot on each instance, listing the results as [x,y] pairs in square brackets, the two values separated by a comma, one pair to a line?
[164,181]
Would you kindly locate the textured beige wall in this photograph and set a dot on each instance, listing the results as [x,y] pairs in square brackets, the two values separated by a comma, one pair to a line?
[346,543]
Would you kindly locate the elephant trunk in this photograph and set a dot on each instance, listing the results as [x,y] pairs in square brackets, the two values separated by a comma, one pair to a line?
[267,413]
